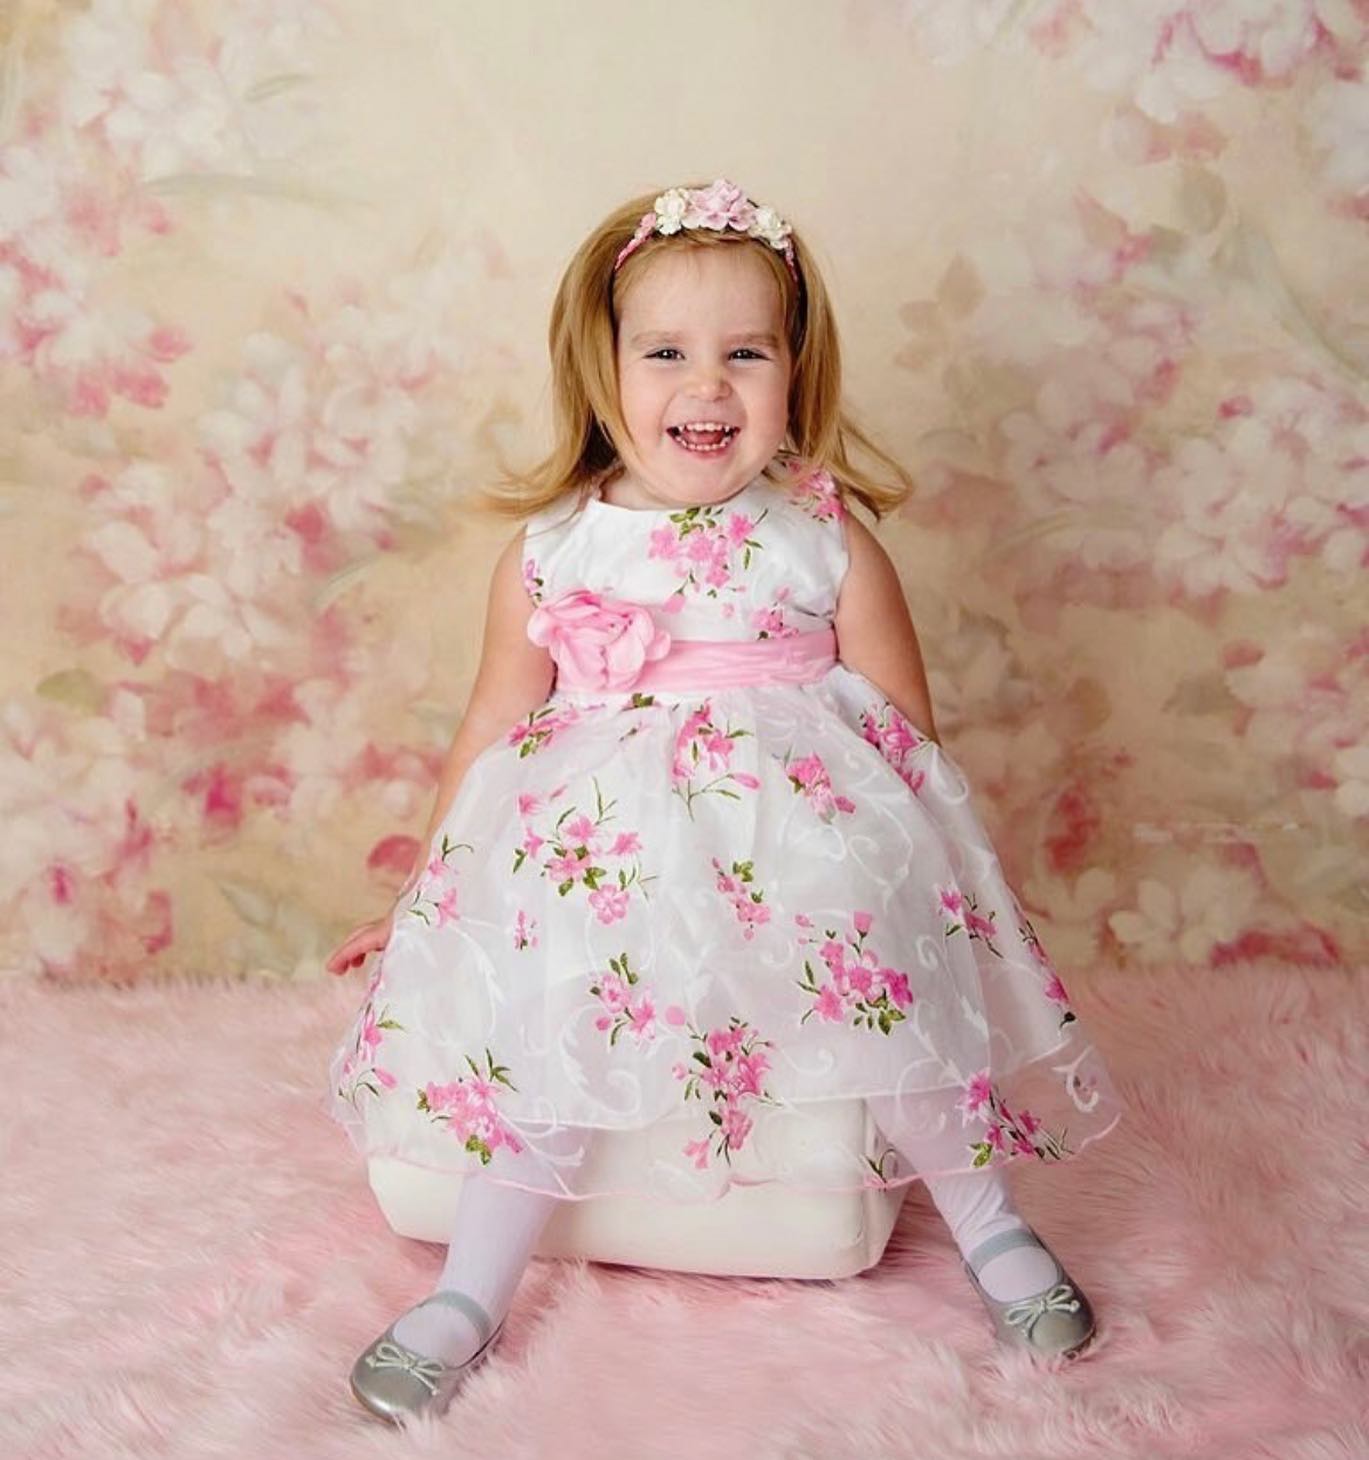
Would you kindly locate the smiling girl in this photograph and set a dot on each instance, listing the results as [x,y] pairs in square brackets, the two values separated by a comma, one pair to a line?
[697,859]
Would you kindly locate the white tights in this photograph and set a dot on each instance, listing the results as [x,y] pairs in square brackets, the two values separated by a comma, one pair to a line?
[493,1236]
[975,1205]
[497,1228]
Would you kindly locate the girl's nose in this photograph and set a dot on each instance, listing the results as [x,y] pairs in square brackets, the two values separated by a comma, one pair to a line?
[709,383]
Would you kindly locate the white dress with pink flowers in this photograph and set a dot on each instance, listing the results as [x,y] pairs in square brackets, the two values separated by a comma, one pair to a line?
[706,885]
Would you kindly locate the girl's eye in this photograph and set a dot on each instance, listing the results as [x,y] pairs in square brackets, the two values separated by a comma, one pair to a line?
[671,350]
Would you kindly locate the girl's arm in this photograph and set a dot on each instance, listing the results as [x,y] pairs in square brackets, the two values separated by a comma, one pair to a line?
[515,676]
[875,634]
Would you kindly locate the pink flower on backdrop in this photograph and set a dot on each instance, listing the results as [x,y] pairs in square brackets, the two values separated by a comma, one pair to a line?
[597,642]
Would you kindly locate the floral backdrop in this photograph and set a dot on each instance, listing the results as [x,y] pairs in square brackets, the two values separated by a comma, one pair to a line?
[274,279]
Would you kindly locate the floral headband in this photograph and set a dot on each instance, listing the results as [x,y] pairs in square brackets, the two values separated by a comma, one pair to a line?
[721,205]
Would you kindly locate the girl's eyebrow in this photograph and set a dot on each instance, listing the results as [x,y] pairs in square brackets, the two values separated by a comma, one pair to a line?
[753,337]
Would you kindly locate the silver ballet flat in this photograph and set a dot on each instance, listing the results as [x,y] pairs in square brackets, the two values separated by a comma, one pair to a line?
[1057,1321]
[398,1383]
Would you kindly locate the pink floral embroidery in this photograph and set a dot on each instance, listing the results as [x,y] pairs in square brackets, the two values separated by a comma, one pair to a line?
[609,903]
[360,1064]
[1054,989]
[896,739]
[958,911]
[434,899]
[732,1064]
[885,1170]
[809,776]
[468,1107]
[701,545]
[524,931]
[816,492]
[637,702]
[860,986]
[626,1006]
[700,744]
[579,848]
[769,622]
[749,906]
[539,728]
[1007,1134]
[597,642]
[533,581]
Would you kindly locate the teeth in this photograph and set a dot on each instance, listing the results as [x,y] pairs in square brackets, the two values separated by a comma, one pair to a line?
[704,426]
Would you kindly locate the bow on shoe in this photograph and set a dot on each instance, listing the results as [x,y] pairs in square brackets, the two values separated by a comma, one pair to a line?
[1059,1299]
[390,1356]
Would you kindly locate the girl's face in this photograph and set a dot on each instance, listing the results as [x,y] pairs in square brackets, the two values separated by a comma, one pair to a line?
[701,341]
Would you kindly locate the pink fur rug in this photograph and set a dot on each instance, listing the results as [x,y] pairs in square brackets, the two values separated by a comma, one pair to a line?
[191,1260]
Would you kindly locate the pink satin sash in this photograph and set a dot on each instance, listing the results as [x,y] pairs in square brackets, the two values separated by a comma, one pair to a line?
[731,663]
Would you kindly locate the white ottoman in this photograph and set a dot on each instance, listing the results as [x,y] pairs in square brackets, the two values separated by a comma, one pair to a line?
[763,1230]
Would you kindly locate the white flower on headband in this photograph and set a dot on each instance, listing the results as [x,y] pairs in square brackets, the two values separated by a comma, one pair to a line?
[721,205]
[671,208]
[771,227]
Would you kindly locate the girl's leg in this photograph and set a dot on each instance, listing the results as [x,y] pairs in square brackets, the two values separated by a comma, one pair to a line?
[976,1205]
[493,1236]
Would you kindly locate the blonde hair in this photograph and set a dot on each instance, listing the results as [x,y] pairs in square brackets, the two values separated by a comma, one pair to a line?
[582,339]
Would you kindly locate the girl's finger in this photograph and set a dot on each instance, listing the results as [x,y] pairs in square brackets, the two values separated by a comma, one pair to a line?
[355,949]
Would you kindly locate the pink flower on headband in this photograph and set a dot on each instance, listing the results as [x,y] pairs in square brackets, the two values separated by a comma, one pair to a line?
[720,205]
[723,205]
[597,642]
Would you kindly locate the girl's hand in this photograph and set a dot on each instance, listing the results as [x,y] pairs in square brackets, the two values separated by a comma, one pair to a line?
[368,938]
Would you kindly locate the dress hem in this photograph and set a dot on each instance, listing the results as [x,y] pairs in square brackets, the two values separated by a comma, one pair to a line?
[636,1193]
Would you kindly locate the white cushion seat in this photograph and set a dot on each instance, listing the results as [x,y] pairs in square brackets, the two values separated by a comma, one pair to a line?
[761,1229]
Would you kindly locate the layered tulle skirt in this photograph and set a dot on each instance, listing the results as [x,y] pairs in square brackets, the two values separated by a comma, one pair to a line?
[712,913]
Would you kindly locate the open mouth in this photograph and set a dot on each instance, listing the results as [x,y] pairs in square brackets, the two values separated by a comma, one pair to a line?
[703,438]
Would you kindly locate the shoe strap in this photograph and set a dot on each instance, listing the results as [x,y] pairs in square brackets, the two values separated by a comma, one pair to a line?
[467,1305]
[1005,1242]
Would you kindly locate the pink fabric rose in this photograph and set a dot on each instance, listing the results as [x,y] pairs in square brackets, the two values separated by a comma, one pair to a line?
[598,643]
[718,205]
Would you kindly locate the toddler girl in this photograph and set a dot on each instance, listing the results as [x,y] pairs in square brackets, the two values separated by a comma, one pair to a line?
[697,856]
